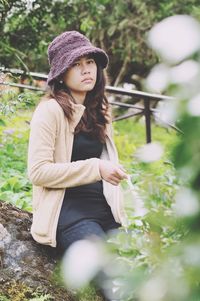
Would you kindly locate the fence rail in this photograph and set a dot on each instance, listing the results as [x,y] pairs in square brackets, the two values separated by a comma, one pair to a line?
[147,98]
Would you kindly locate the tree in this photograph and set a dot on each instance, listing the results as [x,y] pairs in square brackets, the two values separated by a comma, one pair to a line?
[120,27]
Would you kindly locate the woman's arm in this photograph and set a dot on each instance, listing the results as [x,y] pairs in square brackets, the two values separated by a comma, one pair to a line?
[42,170]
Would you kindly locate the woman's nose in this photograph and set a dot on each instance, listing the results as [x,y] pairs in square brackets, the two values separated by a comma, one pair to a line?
[85,69]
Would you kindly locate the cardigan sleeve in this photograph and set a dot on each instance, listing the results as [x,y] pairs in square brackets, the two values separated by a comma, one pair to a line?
[42,170]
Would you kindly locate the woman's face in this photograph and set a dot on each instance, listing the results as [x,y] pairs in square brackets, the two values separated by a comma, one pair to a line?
[81,76]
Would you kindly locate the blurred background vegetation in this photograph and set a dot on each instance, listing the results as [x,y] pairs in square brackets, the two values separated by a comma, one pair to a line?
[159,257]
[119,27]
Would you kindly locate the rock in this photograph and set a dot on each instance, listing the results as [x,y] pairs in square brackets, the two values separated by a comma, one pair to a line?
[26,266]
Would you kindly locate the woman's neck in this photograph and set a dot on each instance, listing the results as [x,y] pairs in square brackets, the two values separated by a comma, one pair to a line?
[78,98]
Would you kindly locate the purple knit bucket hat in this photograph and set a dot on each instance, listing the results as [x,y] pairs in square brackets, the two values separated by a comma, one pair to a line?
[68,47]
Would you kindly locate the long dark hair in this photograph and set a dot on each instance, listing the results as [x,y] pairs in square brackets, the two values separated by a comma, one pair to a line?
[96,113]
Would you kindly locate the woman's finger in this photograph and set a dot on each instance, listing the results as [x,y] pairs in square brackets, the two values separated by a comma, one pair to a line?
[116,179]
[121,174]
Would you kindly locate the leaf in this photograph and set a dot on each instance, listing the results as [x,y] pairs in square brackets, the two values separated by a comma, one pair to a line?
[2,122]
[112,30]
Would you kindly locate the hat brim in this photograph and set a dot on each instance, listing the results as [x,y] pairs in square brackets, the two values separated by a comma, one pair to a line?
[66,61]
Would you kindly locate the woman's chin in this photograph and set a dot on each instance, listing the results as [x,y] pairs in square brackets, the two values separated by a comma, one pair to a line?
[88,88]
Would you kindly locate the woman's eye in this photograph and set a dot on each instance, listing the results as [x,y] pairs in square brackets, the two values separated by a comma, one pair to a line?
[76,64]
[90,61]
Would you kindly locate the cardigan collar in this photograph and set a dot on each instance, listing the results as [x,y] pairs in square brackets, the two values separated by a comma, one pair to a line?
[78,110]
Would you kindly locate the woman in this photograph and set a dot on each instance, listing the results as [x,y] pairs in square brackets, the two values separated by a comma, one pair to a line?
[72,160]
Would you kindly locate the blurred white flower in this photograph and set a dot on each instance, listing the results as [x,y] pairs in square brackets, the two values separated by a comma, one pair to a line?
[192,255]
[175,38]
[161,76]
[153,290]
[139,209]
[185,72]
[166,113]
[29,5]
[137,202]
[128,86]
[194,106]
[81,263]
[186,203]
[150,152]
[158,79]
[138,222]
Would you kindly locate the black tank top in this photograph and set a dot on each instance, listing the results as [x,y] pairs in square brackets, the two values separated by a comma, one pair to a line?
[85,201]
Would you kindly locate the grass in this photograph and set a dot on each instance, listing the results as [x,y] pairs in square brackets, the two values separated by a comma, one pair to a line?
[130,134]
[14,184]
[157,181]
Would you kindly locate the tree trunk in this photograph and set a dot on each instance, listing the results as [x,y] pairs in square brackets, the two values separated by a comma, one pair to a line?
[25,266]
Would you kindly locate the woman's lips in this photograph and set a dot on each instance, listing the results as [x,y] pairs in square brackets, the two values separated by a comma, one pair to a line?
[87,80]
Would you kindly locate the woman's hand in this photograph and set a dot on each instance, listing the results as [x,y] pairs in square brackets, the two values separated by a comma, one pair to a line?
[112,173]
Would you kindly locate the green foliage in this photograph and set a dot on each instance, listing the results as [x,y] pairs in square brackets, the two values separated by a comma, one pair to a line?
[11,101]
[20,292]
[119,27]
[130,134]
[14,131]
[3,298]
[37,297]
[88,294]
[160,252]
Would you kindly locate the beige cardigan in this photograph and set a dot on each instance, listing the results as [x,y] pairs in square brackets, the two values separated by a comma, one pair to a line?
[51,172]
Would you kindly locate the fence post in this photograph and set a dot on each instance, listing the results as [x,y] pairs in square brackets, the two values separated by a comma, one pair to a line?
[147,115]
